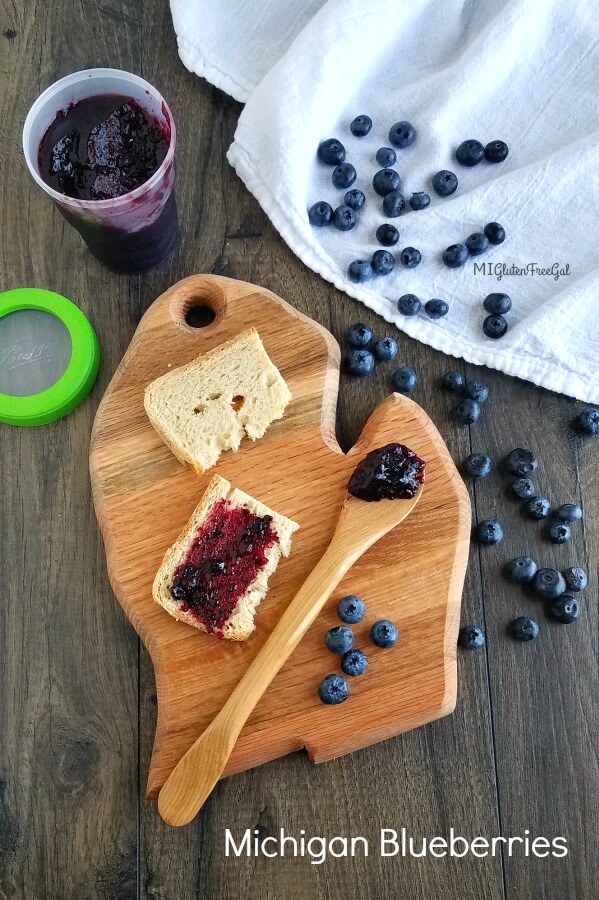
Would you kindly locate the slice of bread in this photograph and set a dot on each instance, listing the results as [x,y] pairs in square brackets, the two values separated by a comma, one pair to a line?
[240,623]
[209,405]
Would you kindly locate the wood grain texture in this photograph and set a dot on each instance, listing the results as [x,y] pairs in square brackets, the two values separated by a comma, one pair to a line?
[144,497]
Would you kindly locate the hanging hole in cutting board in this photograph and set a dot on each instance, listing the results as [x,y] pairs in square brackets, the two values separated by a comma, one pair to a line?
[200,316]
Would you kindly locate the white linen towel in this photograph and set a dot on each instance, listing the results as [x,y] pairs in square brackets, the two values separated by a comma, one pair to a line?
[523,71]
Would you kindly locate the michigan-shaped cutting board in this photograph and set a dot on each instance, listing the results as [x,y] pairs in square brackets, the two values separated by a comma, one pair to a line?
[414,576]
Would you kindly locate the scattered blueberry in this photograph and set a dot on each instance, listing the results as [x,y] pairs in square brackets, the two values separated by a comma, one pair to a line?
[361,126]
[523,629]
[320,214]
[477,465]
[359,363]
[495,232]
[331,152]
[387,235]
[470,153]
[497,304]
[383,262]
[355,199]
[385,181]
[343,176]
[344,218]
[359,335]
[489,532]
[467,411]
[494,327]
[496,151]
[587,422]
[565,609]
[455,255]
[360,270]
[575,578]
[476,390]
[402,134]
[523,488]
[477,243]
[559,532]
[339,639]
[537,507]
[384,633]
[385,349]
[453,381]
[351,609]
[409,305]
[471,637]
[445,183]
[334,689]
[521,569]
[410,257]
[549,584]
[404,380]
[436,309]
[568,512]
[394,203]
[420,200]
[354,662]
[386,157]
[521,462]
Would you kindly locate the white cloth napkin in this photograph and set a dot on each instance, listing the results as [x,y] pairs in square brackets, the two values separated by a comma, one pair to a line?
[523,71]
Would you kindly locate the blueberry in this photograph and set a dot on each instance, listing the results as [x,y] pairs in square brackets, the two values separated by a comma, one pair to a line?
[477,465]
[355,199]
[587,422]
[359,335]
[559,532]
[537,507]
[476,390]
[386,156]
[351,609]
[471,637]
[383,262]
[549,584]
[394,204]
[343,176]
[320,214]
[404,380]
[360,270]
[331,152]
[477,243]
[523,488]
[495,232]
[409,305]
[444,183]
[521,462]
[467,411]
[385,349]
[344,218]
[385,181]
[361,126]
[497,304]
[420,200]
[436,309]
[410,257]
[354,662]
[575,578]
[521,569]
[470,153]
[339,639]
[359,363]
[568,512]
[402,134]
[523,629]
[453,381]
[455,255]
[384,633]
[496,151]
[494,327]
[565,609]
[489,532]
[387,235]
[334,689]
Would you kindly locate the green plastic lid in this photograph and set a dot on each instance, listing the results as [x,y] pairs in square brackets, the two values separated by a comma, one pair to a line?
[49,356]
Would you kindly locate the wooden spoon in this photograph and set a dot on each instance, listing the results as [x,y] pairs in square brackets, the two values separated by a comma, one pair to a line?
[360,525]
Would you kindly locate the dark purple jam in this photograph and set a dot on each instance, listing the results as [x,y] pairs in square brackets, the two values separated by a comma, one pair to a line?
[228,552]
[393,472]
[101,148]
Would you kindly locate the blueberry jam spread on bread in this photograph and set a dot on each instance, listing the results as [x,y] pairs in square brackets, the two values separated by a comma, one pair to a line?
[392,472]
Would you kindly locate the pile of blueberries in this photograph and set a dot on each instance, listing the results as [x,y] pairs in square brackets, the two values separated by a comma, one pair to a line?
[360,361]
[473,394]
[351,610]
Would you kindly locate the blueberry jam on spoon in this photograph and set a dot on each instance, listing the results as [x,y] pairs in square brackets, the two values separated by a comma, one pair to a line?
[392,472]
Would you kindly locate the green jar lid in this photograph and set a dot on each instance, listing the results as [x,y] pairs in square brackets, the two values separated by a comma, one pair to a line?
[49,356]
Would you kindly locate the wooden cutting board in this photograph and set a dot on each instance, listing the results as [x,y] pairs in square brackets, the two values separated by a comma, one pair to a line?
[414,576]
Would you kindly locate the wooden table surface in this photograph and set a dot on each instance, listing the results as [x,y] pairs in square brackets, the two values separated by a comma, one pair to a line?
[77,701]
